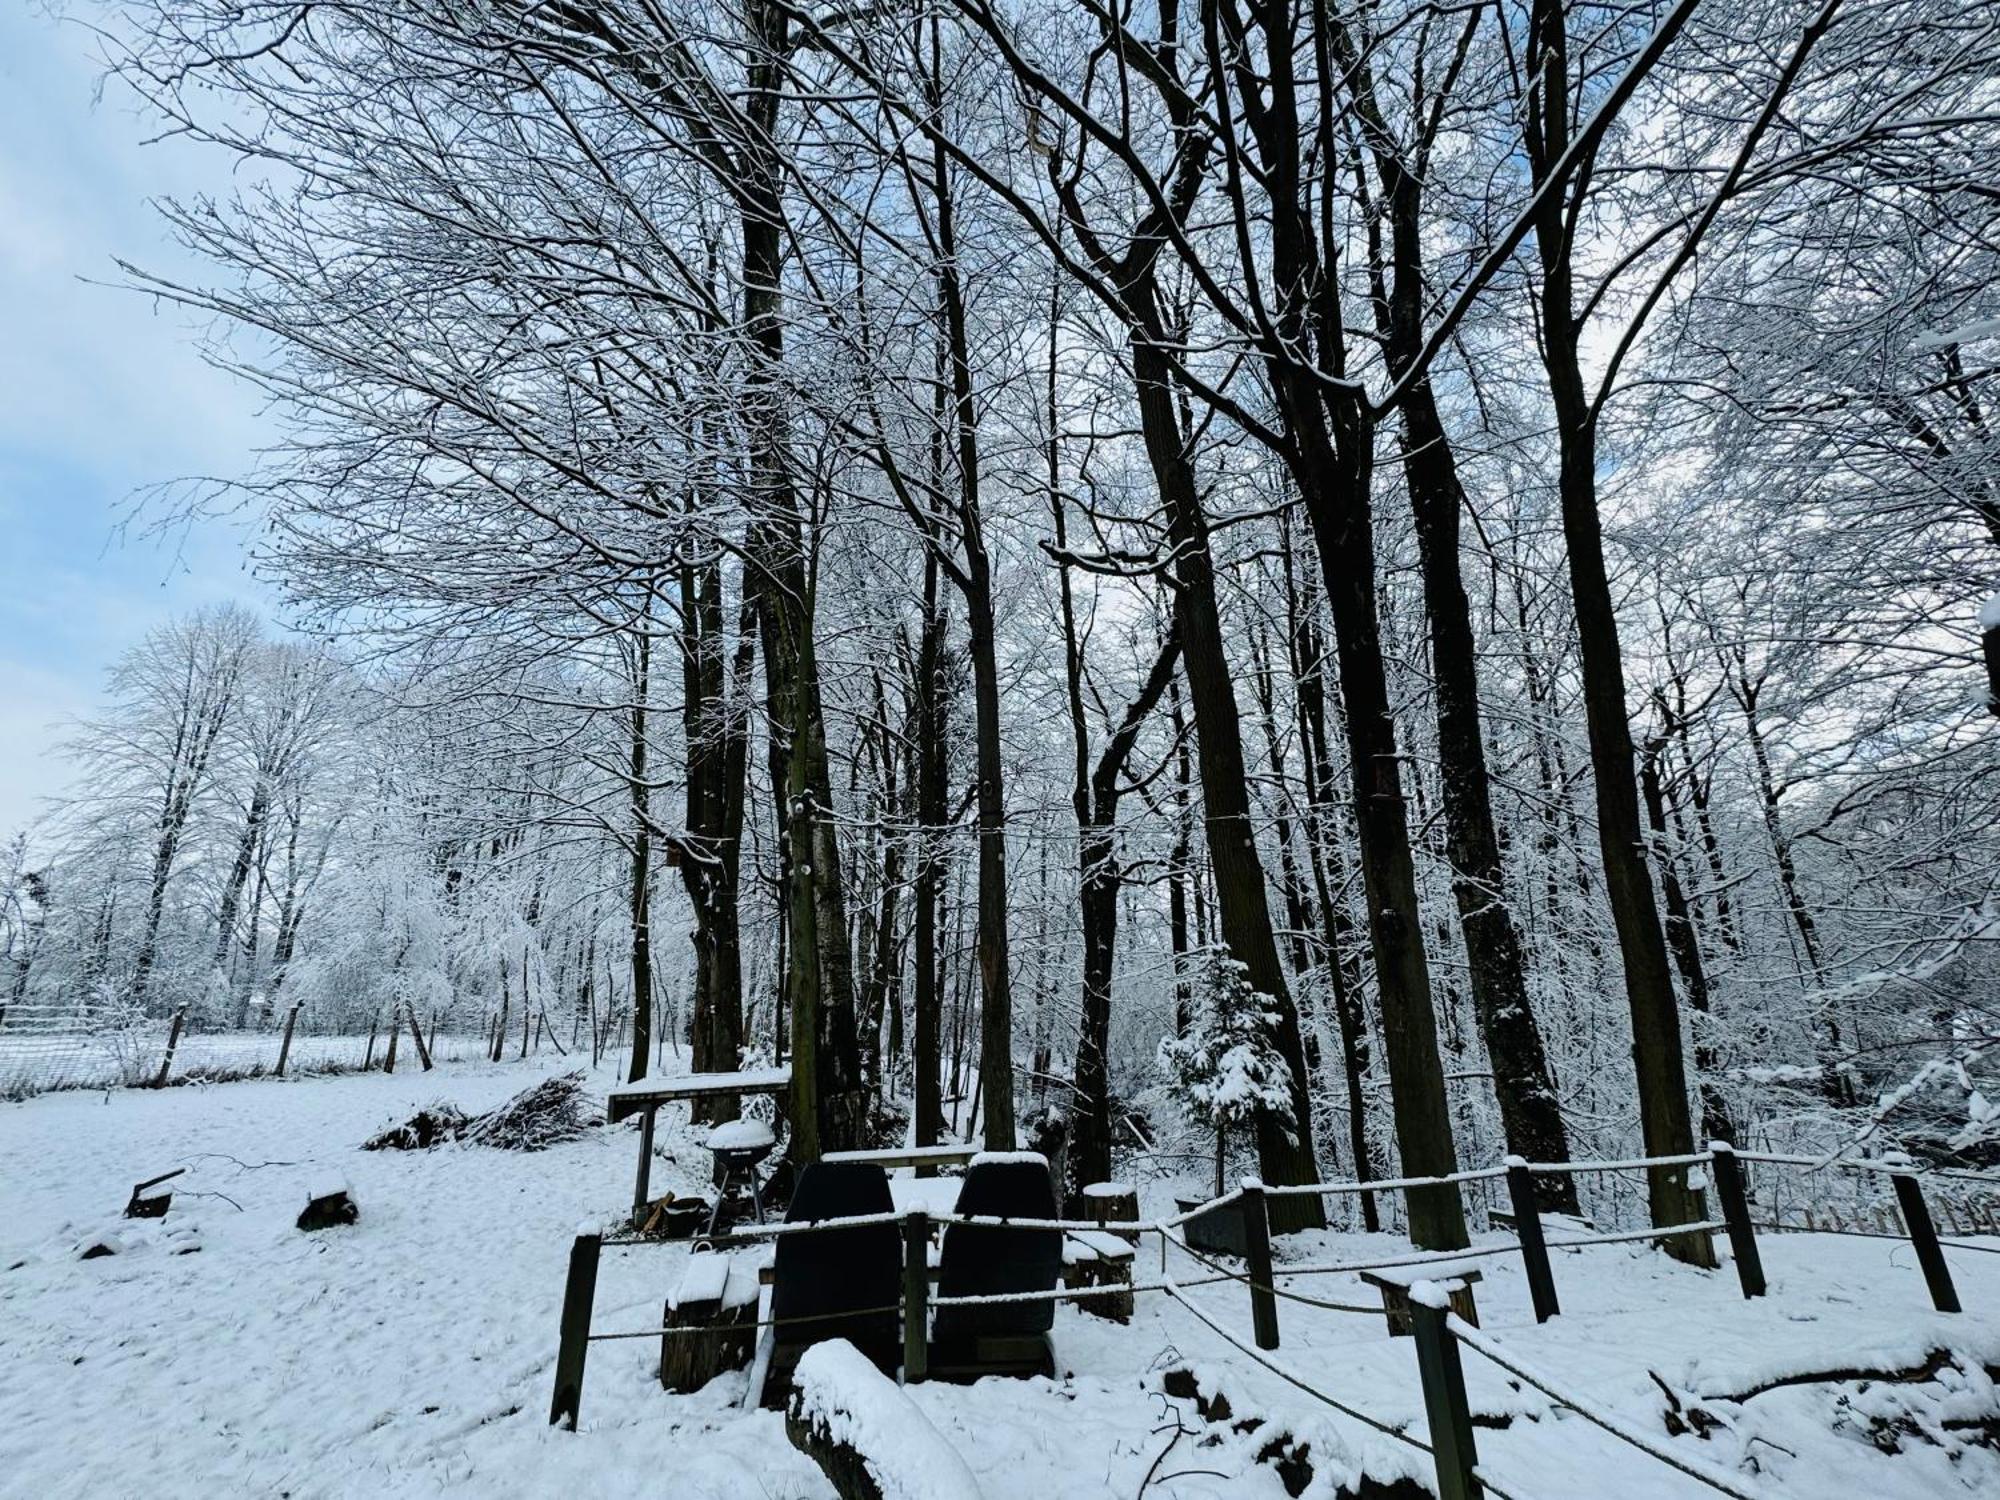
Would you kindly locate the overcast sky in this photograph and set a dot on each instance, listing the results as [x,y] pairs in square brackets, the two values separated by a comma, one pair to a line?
[101,394]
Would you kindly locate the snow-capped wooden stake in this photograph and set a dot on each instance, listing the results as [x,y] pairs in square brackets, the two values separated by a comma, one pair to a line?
[1257,1263]
[573,1336]
[1923,1235]
[173,1043]
[285,1046]
[1534,1248]
[916,1294]
[1728,1174]
[1445,1406]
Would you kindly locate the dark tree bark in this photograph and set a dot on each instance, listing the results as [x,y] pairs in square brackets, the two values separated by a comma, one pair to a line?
[928,693]
[1657,1053]
[1530,1115]
[1684,942]
[641,850]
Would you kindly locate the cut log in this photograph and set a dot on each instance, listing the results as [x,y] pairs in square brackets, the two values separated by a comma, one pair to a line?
[717,1302]
[328,1203]
[865,1433]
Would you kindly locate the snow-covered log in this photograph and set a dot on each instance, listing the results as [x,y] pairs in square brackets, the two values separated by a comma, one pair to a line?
[866,1434]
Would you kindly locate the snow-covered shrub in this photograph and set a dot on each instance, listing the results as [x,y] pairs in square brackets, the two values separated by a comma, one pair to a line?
[1226,1070]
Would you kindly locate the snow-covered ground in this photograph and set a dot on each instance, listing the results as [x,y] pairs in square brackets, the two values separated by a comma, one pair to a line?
[412,1353]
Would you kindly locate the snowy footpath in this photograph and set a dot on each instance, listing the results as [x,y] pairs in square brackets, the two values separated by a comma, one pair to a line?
[412,1353]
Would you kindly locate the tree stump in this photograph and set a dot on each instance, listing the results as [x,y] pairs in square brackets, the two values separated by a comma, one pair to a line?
[865,1433]
[719,1299]
[1100,1260]
[1113,1203]
[328,1204]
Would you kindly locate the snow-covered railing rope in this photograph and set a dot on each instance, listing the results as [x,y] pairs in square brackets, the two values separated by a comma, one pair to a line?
[1059,1294]
[1630,1164]
[1868,1234]
[1699,1470]
[1291,1378]
[1386,1185]
[1863,1164]
[1703,1226]
[1415,1258]
[1223,1273]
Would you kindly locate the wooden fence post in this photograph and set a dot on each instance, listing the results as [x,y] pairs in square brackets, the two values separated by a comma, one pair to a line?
[916,1297]
[1728,1174]
[285,1047]
[1257,1263]
[173,1043]
[579,1292]
[1534,1248]
[1923,1234]
[642,1185]
[1445,1406]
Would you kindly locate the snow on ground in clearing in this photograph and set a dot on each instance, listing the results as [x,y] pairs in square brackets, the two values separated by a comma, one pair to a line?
[412,1353]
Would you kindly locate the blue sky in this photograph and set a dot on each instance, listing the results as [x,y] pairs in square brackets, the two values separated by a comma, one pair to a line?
[101,394]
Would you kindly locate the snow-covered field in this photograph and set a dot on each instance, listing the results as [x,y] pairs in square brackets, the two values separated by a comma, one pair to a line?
[412,1354]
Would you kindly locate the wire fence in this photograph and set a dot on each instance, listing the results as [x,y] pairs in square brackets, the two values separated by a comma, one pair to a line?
[50,1047]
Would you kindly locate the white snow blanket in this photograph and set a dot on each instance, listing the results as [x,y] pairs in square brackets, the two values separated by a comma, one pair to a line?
[413,1353]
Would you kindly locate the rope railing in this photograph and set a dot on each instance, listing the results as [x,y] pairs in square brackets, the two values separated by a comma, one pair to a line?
[1293,1379]
[1699,1470]
[1246,1209]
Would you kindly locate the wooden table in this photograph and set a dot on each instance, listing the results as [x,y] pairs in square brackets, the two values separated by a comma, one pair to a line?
[645,1097]
[919,1157]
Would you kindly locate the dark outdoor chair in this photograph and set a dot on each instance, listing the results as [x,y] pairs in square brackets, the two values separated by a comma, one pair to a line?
[978,1260]
[838,1278]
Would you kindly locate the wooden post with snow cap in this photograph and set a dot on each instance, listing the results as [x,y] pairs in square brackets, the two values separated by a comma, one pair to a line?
[1534,1248]
[285,1047]
[573,1338]
[1728,1173]
[1445,1405]
[1923,1234]
[173,1044]
[1257,1264]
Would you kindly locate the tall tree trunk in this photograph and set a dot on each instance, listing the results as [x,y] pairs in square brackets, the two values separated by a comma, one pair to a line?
[1685,945]
[927,1043]
[1284,1148]
[641,894]
[829,1105]
[1657,1054]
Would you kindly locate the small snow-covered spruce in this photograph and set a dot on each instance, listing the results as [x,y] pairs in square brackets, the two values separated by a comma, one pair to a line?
[1226,1070]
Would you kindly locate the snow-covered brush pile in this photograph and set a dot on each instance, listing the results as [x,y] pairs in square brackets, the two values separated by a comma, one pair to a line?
[548,1114]
[429,1126]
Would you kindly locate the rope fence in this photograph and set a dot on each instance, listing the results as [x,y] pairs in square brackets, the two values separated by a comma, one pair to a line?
[1425,1305]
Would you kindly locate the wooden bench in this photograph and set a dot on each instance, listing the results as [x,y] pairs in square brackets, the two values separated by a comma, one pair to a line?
[920,1157]
[1394,1283]
[718,1294]
[1096,1258]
